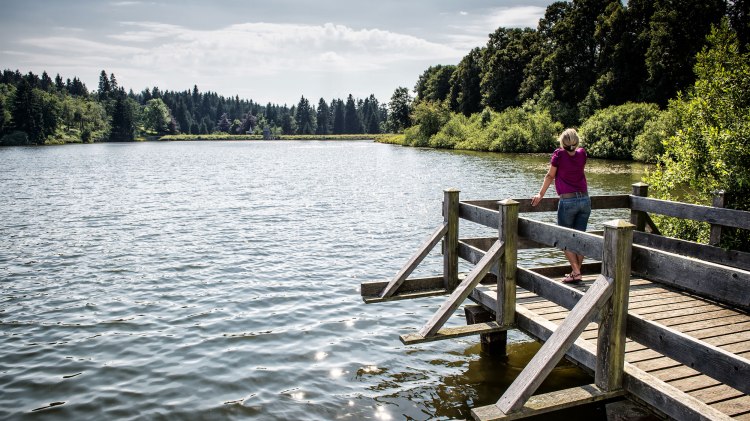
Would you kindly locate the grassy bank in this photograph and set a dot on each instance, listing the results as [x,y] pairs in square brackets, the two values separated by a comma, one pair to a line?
[260,137]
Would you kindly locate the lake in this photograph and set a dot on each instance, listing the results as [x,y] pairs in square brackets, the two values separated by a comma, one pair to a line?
[220,280]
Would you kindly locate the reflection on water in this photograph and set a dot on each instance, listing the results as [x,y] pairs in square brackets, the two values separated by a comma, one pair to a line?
[220,280]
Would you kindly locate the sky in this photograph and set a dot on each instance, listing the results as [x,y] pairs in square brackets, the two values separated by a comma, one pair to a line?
[271,51]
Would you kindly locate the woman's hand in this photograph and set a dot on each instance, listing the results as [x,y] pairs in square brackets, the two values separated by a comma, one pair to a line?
[536,199]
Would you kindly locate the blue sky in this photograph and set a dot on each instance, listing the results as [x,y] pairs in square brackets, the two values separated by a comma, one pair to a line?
[270,51]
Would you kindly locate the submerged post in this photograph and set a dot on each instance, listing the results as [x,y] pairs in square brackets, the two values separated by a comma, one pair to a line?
[450,244]
[719,201]
[506,280]
[610,352]
[638,218]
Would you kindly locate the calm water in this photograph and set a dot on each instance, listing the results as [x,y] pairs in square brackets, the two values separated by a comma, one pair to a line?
[221,280]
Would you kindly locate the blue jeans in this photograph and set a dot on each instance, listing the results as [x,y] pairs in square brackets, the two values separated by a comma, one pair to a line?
[574,213]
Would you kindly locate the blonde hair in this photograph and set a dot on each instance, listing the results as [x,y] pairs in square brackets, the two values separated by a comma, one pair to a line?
[569,137]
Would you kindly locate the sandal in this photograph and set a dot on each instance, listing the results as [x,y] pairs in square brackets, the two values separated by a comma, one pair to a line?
[572,278]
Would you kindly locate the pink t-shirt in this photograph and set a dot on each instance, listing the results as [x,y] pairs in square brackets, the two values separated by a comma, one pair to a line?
[570,177]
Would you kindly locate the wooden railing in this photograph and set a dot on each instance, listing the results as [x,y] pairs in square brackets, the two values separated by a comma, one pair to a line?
[623,249]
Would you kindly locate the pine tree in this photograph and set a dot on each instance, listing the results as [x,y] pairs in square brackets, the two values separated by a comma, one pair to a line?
[323,121]
[353,123]
[104,86]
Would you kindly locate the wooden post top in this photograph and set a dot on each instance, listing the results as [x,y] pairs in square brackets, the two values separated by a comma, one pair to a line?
[618,224]
[640,184]
[508,202]
[451,190]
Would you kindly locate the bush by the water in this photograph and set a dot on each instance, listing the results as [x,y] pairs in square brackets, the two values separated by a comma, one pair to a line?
[512,130]
[649,145]
[611,132]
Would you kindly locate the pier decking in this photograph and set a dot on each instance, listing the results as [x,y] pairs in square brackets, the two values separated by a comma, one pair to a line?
[661,321]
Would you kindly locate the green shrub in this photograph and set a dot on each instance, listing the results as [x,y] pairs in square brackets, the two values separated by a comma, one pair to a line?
[453,132]
[610,132]
[649,145]
[518,130]
[15,138]
[711,148]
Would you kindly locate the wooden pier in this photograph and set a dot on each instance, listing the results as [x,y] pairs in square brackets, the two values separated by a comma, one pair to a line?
[660,321]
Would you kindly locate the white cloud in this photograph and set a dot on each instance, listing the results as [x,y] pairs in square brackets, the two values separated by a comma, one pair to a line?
[516,17]
[125,3]
[258,55]
[475,33]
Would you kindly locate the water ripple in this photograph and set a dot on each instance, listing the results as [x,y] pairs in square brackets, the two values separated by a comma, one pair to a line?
[220,280]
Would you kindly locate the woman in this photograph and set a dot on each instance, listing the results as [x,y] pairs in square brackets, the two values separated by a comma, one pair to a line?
[567,169]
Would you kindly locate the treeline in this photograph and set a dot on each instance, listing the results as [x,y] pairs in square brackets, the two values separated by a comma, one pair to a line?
[38,109]
[588,63]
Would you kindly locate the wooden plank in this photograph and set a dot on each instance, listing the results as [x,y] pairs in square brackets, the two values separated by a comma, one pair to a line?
[454,332]
[556,346]
[716,216]
[716,393]
[705,357]
[708,359]
[721,283]
[648,388]
[548,402]
[711,320]
[462,291]
[705,252]
[589,245]
[375,288]
[736,406]
[469,252]
[407,295]
[484,243]
[415,260]
[478,214]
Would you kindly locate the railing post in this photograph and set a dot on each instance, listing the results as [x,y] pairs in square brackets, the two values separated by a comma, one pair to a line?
[506,281]
[638,218]
[450,244]
[610,352]
[719,201]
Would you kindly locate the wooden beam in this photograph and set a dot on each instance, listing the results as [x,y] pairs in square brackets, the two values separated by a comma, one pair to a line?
[478,214]
[615,201]
[375,288]
[415,260]
[584,243]
[462,291]
[715,216]
[454,332]
[704,252]
[548,402]
[470,253]
[407,295]
[556,346]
